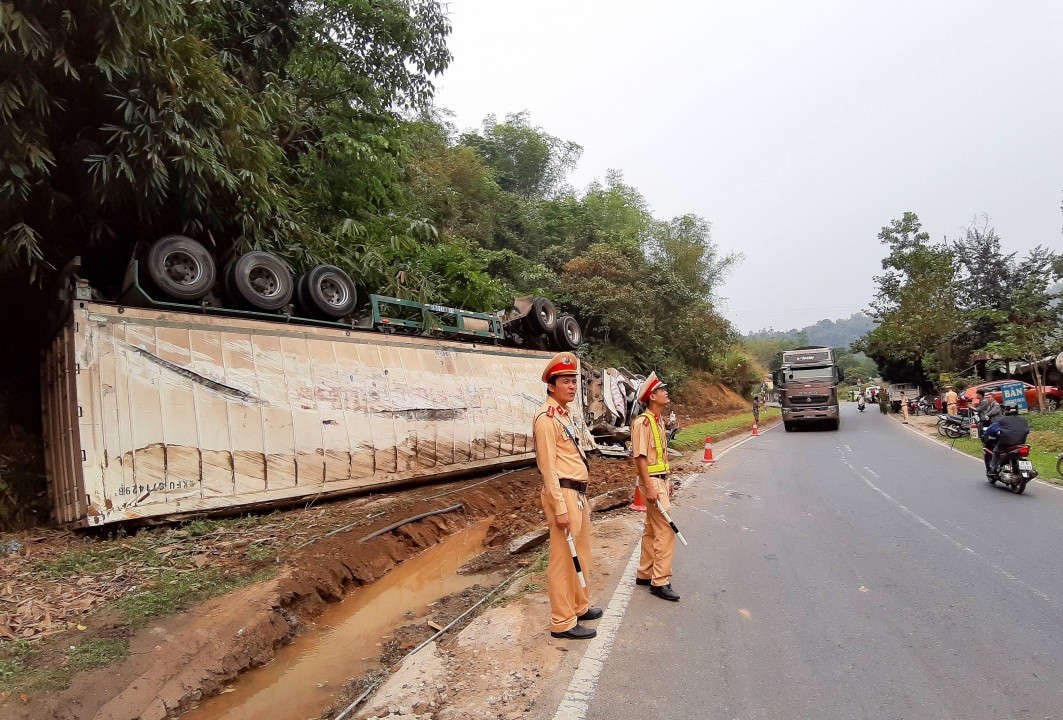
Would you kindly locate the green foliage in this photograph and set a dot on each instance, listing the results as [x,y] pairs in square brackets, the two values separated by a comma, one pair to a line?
[939,304]
[855,365]
[526,161]
[454,270]
[269,124]
[916,306]
[164,137]
[738,370]
[768,350]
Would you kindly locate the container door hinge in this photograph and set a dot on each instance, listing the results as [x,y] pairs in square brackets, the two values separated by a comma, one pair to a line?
[84,456]
[81,411]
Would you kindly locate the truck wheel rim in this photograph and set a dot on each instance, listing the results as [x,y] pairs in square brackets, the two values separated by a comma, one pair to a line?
[182,268]
[264,281]
[333,292]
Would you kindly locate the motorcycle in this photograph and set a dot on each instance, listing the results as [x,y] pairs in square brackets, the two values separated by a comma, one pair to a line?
[954,426]
[1015,468]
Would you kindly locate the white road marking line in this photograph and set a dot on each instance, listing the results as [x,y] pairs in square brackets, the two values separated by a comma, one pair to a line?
[1011,577]
[926,437]
[580,692]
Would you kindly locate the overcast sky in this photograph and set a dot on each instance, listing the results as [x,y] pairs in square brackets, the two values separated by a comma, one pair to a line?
[797,128]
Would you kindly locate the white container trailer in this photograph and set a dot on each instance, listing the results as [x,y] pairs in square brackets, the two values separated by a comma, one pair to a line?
[154,413]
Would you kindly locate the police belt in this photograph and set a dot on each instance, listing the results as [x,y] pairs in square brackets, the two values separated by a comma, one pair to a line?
[662,476]
[577,485]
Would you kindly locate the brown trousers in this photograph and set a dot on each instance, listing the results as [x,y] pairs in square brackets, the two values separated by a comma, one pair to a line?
[658,540]
[567,598]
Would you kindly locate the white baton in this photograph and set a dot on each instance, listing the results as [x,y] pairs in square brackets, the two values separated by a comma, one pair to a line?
[575,558]
[669,519]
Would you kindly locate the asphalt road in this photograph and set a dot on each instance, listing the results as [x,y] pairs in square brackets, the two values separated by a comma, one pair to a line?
[864,573]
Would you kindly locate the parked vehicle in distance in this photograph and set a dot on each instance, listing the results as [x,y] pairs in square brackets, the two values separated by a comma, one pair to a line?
[897,391]
[1053,395]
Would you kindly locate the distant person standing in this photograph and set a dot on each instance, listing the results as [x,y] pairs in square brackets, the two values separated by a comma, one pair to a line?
[756,409]
[904,408]
[883,402]
[952,401]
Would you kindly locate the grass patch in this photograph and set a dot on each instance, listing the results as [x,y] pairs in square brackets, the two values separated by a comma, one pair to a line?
[95,652]
[16,664]
[84,562]
[693,437]
[173,590]
[260,551]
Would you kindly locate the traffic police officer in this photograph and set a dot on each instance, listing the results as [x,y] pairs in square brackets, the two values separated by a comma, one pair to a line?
[564,468]
[952,401]
[650,452]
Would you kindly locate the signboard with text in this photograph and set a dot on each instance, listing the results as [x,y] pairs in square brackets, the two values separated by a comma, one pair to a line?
[1014,393]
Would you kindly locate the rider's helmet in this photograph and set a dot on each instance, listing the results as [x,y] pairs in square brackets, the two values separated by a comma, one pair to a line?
[1011,409]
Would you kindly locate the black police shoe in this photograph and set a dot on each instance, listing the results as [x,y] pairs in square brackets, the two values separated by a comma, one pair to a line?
[592,613]
[642,581]
[576,632]
[665,592]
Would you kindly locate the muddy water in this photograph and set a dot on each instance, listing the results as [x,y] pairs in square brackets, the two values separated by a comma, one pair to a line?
[346,640]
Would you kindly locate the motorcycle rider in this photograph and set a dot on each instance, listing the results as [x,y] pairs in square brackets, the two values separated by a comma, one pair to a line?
[860,402]
[988,410]
[1007,430]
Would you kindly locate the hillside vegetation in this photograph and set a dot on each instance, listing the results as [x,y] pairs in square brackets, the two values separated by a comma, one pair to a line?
[308,130]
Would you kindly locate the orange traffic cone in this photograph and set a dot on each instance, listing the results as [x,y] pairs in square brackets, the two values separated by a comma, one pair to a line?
[755,431]
[638,504]
[708,450]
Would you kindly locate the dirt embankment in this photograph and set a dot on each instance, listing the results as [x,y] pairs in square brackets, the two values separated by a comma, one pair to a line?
[320,558]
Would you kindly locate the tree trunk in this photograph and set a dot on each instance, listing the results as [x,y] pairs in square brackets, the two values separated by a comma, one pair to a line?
[1039,383]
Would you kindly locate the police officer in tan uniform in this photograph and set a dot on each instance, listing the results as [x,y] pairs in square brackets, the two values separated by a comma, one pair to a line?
[952,401]
[564,497]
[649,448]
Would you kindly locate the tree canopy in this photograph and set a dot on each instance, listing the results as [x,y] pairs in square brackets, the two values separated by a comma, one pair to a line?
[938,304]
[307,129]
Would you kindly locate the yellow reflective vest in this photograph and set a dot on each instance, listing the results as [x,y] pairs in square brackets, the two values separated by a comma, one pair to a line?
[662,452]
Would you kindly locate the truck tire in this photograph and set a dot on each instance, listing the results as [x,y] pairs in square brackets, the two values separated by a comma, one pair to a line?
[326,290]
[181,268]
[788,426]
[260,279]
[567,333]
[543,315]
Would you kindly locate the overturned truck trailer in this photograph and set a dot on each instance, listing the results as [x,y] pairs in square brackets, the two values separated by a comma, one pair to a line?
[155,414]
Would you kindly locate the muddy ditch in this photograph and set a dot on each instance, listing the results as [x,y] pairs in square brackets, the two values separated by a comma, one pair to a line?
[176,662]
[319,556]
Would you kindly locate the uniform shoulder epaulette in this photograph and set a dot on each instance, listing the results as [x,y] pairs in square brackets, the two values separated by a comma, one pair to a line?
[645,420]
[550,412]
